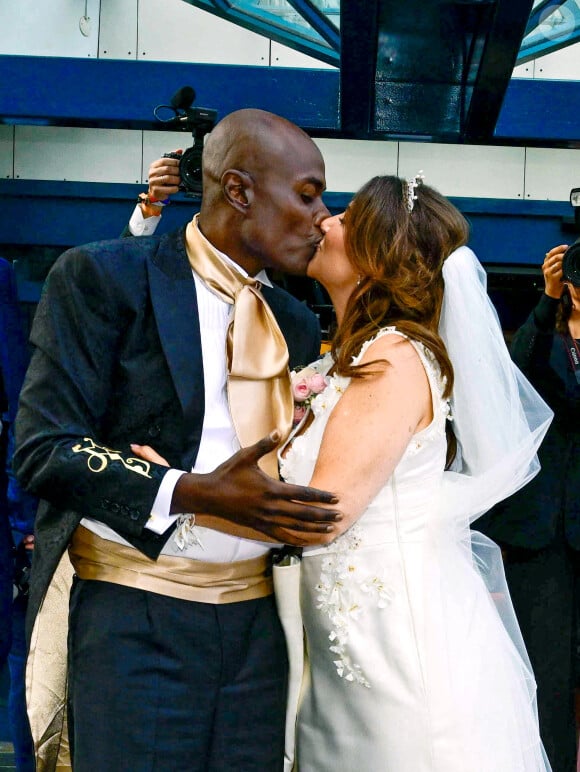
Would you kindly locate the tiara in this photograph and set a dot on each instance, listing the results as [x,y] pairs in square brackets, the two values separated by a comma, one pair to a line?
[411,185]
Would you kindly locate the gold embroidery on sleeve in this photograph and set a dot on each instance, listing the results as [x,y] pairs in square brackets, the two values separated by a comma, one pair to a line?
[99,457]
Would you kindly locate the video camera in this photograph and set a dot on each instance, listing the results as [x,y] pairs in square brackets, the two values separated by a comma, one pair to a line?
[198,120]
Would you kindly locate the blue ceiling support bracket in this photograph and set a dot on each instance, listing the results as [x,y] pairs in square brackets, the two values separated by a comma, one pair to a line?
[318,21]
[542,37]
[533,50]
[358,66]
[503,40]
[539,12]
[53,91]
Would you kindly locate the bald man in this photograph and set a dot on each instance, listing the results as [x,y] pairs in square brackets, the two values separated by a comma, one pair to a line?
[176,657]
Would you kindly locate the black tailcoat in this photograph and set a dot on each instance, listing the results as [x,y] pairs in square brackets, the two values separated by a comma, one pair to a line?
[117,360]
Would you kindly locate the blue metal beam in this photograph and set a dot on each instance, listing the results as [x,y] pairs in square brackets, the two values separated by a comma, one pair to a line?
[63,214]
[102,93]
[105,93]
[540,112]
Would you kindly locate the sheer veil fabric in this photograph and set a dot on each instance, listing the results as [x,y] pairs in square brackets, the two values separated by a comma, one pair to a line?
[498,417]
[499,421]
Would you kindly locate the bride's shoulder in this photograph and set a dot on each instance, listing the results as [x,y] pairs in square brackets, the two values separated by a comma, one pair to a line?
[387,340]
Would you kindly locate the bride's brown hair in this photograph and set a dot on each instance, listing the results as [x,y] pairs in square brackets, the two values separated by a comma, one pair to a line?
[399,257]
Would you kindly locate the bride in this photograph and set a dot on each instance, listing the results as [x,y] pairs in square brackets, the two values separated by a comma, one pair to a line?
[415,661]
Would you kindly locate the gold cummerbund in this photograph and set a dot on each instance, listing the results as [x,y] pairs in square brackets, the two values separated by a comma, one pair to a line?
[107,561]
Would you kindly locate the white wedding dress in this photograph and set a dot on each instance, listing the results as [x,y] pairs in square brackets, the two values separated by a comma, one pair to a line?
[410,665]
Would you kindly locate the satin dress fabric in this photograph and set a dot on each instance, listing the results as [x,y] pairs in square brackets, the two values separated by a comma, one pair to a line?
[410,668]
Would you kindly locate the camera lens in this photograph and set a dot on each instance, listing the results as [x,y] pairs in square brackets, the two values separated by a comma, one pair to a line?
[190,170]
[571,264]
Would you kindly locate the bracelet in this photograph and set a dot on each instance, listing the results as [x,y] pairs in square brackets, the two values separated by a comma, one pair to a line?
[147,200]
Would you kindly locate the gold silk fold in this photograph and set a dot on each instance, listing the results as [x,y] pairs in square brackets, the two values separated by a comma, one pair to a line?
[107,561]
[259,392]
[46,675]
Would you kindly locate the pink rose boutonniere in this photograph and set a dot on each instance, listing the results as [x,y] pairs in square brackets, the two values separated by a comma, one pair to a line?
[306,384]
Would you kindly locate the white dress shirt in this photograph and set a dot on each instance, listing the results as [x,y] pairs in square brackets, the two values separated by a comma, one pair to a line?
[143,226]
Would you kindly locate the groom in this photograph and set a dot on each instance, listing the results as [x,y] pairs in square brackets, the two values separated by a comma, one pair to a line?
[176,655]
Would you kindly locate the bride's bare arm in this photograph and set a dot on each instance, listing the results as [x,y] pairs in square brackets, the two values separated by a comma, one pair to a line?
[370,428]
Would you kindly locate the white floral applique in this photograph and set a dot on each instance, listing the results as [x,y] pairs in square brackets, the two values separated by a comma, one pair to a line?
[377,588]
[339,597]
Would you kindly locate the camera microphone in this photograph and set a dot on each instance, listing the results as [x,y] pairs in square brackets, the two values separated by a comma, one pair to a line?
[183,98]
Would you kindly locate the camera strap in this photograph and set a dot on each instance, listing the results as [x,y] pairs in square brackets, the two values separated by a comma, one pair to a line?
[573,352]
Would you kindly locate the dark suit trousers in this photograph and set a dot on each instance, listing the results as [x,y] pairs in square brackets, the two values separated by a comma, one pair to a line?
[158,684]
[543,587]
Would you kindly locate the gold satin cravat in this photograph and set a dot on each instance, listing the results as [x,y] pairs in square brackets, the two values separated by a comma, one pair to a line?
[259,392]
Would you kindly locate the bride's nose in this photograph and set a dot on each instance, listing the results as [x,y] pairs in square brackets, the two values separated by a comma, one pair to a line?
[327,224]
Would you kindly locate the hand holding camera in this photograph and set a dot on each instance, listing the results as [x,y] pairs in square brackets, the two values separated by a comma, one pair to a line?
[164,177]
[552,270]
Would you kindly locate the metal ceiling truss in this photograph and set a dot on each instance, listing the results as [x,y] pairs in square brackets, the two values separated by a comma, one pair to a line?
[318,38]
[434,70]
[425,69]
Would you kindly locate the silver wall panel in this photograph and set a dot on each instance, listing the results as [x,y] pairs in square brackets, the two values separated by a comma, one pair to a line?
[561,65]
[29,27]
[174,31]
[350,163]
[551,173]
[118,29]
[283,56]
[466,170]
[6,151]
[86,155]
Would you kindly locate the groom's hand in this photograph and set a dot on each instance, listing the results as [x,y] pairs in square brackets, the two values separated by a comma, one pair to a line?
[241,494]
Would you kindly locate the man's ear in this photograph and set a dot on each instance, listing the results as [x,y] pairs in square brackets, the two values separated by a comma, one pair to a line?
[238,188]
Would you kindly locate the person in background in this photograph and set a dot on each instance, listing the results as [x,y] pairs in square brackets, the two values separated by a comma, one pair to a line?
[18,511]
[177,658]
[164,181]
[539,527]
